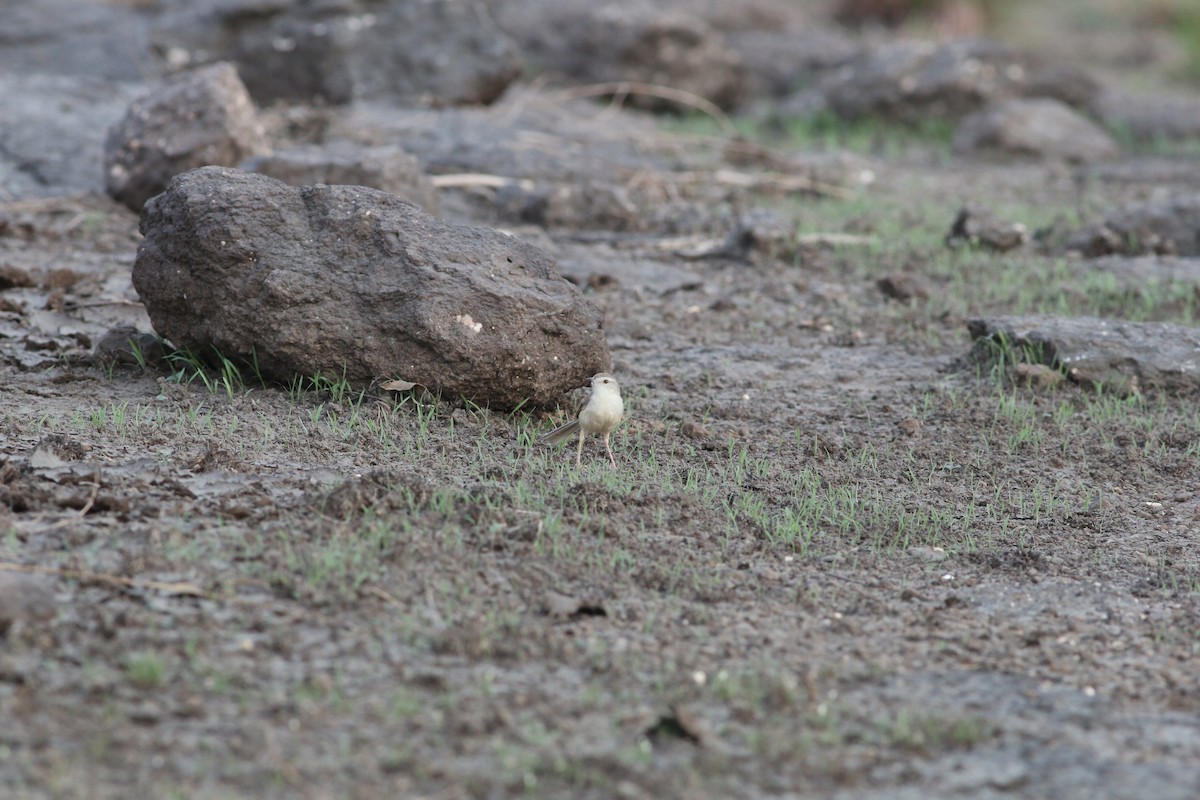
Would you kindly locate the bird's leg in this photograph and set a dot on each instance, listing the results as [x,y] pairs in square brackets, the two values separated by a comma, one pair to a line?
[579,452]
[609,449]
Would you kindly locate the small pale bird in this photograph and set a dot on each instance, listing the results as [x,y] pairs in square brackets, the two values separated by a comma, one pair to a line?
[602,414]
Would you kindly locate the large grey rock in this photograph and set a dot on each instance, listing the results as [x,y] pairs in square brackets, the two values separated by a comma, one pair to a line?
[382,167]
[1039,127]
[911,80]
[1167,227]
[1125,356]
[598,43]
[354,281]
[426,52]
[1149,115]
[199,118]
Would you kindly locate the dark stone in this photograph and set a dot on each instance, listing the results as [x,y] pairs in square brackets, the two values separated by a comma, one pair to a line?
[1162,227]
[599,43]
[978,227]
[130,347]
[410,52]
[346,280]
[903,286]
[1038,127]
[1123,356]
[1149,116]
[763,233]
[195,119]
[912,80]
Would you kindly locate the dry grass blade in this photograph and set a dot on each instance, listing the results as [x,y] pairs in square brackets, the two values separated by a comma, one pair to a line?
[622,89]
[87,576]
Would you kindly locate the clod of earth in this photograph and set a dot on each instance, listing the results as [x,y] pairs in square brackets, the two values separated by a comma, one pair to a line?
[352,282]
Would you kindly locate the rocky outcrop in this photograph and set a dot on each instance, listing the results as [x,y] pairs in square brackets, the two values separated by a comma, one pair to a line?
[346,280]
[1037,127]
[411,52]
[1119,355]
[1168,226]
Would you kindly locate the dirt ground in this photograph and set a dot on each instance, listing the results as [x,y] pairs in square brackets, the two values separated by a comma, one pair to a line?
[837,558]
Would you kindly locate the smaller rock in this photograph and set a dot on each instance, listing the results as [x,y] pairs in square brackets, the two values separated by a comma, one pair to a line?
[1038,127]
[128,346]
[194,119]
[979,228]
[354,282]
[432,52]
[913,80]
[903,286]
[1160,227]
[910,426]
[762,233]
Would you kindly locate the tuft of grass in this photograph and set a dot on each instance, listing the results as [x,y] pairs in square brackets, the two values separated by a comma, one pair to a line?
[146,670]
[932,733]
[187,368]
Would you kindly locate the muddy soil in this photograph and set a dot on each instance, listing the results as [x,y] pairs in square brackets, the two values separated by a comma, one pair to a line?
[838,556]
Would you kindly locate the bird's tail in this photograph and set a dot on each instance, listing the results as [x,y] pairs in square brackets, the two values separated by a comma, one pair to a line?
[562,432]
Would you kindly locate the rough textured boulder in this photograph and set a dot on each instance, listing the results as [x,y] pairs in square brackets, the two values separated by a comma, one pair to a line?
[354,281]
[195,119]
[1124,356]
[597,43]
[1164,227]
[911,80]
[428,52]
[1040,127]
[382,167]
